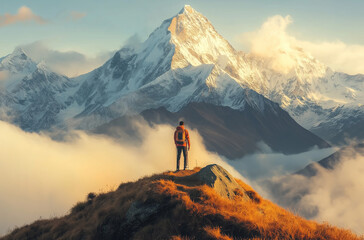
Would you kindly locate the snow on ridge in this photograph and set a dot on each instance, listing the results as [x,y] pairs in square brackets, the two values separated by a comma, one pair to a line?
[189,40]
[184,60]
[18,63]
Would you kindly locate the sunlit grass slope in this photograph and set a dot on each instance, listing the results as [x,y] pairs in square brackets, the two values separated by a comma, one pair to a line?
[176,206]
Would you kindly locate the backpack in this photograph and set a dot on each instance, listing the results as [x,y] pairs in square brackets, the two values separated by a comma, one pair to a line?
[180,136]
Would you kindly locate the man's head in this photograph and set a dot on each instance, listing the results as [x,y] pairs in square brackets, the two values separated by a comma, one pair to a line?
[181,123]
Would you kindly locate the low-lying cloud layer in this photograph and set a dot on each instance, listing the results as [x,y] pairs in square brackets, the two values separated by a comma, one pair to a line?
[24,14]
[42,178]
[272,41]
[268,164]
[335,196]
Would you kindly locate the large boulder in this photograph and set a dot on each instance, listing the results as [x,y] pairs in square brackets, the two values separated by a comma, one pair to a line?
[221,181]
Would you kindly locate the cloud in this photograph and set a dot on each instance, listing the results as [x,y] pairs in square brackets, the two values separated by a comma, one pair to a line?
[268,164]
[69,63]
[335,196]
[74,16]
[338,55]
[24,14]
[273,42]
[133,42]
[45,178]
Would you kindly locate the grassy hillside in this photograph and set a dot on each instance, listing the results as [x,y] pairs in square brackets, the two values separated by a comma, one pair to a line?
[177,206]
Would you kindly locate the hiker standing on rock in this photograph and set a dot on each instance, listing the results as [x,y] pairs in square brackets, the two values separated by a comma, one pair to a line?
[181,139]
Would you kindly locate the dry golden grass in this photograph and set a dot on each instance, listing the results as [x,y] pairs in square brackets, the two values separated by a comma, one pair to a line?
[186,210]
[182,173]
[261,219]
[215,233]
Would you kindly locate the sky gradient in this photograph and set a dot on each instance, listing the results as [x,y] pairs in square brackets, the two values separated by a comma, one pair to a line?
[93,27]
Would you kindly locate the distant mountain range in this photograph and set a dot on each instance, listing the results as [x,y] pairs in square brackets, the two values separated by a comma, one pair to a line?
[186,61]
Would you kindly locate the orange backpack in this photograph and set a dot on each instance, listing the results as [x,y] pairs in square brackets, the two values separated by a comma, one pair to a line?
[180,136]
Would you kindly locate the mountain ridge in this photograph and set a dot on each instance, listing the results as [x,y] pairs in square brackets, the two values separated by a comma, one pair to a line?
[33,95]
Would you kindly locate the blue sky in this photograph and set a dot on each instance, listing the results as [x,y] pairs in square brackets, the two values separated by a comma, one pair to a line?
[101,26]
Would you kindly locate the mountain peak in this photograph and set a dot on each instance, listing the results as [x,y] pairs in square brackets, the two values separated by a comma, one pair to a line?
[18,55]
[187,9]
[19,52]
[195,39]
[18,62]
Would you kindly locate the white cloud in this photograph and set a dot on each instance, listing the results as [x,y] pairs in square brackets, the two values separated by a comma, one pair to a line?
[334,196]
[24,14]
[69,63]
[44,178]
[269,164]
[338,55]
[272,41]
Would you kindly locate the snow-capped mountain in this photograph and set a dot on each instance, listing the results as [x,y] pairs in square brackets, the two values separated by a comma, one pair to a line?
[17,63]
[184,60]
[32,95]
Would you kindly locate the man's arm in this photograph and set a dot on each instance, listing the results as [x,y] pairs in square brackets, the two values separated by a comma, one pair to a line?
[174,137]
[188,139]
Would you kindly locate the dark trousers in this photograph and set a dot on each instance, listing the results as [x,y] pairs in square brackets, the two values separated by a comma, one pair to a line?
[185,155]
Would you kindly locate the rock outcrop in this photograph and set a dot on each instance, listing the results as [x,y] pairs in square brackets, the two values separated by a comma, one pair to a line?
[220,180]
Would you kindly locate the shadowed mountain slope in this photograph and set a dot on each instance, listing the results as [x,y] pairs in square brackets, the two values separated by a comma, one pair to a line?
[182,205]
[229,132]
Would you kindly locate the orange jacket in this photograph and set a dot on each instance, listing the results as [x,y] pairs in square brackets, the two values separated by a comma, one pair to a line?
[187,137]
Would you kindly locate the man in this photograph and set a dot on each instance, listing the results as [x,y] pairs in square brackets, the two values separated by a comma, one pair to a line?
[182,139]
